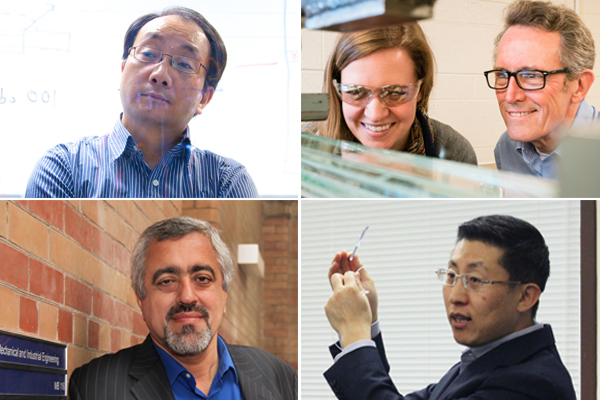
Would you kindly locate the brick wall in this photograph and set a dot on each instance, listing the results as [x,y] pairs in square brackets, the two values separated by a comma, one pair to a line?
[64,271]
[281,280]
[239,222]
[461,35]
[260,312]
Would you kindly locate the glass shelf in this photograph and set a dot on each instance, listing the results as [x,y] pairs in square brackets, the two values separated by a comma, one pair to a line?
[335,168]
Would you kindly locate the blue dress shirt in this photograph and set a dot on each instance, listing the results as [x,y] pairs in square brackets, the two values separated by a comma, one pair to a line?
[112,166]
[523,158]
[225,385]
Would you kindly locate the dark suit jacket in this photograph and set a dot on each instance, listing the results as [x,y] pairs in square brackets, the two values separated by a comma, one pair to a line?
[527,367]
[138,373]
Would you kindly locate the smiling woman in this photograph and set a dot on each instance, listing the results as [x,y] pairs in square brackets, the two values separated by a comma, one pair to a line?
[379,82]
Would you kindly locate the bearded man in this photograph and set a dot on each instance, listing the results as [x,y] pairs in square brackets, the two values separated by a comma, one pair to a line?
[181,271]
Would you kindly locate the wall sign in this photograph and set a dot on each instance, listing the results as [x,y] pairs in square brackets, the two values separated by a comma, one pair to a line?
[32,368]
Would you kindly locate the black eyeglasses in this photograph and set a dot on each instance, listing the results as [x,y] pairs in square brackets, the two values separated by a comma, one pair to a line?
[185,64]
[527,79]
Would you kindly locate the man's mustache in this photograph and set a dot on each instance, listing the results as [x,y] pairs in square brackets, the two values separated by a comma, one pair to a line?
[179,308]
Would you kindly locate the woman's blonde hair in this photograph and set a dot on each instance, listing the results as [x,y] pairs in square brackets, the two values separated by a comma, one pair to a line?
[353,46]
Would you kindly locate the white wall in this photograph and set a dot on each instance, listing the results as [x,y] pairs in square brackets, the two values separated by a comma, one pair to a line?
[461,35]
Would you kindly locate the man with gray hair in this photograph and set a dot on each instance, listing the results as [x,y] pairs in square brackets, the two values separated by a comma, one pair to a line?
[549,53]
[181,271]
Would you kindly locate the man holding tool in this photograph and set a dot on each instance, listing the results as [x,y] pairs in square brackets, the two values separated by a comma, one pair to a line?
[491,288]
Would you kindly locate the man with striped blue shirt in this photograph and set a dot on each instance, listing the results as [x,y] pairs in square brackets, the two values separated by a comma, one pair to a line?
[149,153]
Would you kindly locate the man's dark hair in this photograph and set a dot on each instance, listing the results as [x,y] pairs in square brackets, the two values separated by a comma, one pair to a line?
[218,54]
[525,254]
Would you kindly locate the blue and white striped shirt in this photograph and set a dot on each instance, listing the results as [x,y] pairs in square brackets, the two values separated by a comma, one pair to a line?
[112,166]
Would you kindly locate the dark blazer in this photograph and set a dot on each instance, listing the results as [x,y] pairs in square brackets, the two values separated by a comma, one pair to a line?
[138,373]
[527,367]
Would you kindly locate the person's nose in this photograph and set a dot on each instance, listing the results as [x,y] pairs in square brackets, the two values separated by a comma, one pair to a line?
[458,293]
[513,92]
[186,293]
[162,72]
[376,110]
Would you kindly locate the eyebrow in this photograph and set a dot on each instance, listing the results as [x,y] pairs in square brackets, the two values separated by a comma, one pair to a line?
[177,271]
[520,69]
[477,264]
[183,46]
[162,271]
[197,268]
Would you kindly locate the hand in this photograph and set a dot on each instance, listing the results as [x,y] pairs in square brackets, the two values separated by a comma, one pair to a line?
[348,308]
[342,264]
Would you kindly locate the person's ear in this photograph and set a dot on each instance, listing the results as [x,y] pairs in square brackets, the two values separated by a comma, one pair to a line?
[207,95]
[584,82]
[139,301]
[123,65]
[530,294]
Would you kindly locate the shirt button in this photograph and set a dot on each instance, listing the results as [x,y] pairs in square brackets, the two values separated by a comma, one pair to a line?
[155,182]
[188,376]
[135,148]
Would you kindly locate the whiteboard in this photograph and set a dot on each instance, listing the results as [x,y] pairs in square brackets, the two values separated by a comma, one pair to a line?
[60,75]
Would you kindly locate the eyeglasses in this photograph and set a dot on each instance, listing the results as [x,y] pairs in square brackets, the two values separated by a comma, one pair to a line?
[389,95]
[527,79]
[470,281]
[180,63]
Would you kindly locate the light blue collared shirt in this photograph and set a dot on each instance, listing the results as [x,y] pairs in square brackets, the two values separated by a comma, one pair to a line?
[523,158]
[225,385]
[112,166]
[481,350]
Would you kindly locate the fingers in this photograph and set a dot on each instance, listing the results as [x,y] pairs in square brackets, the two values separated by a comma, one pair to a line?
[341,263]
[355,278]
[362,273]
[350,278]
[337,281]
[335,267]
[353,265]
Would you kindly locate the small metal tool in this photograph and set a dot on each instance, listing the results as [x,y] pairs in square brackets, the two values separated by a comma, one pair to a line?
[358,243]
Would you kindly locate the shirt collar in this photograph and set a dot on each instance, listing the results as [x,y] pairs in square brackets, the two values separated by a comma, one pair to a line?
[481,350]
[120,141]
[585,112]
[174,368]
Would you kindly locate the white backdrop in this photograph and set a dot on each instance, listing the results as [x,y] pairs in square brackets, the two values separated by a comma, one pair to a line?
[60,73]
[406,242]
